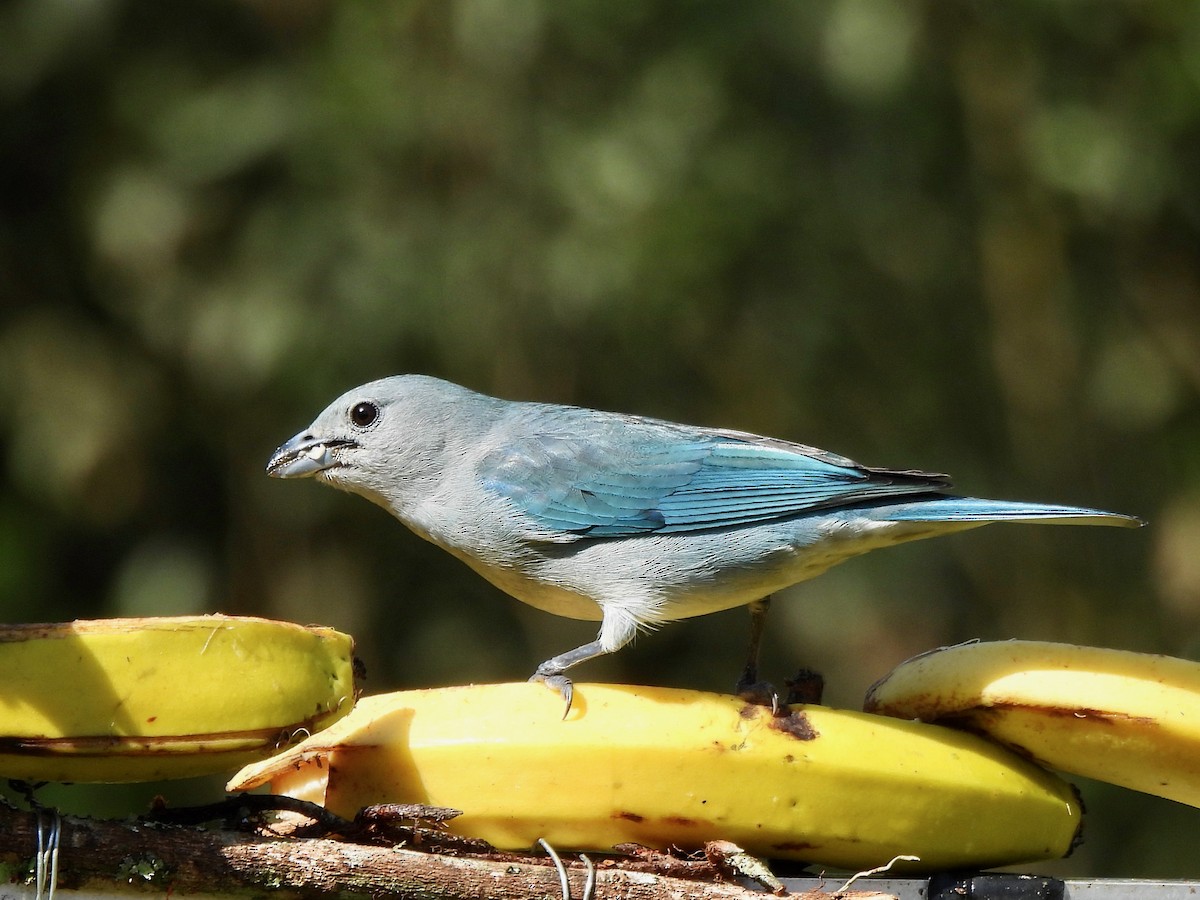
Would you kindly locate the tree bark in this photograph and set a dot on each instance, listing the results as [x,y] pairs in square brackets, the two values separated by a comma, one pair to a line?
[102,854]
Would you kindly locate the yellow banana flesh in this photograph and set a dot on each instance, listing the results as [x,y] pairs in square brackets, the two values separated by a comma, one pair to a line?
[144,699]
[1131,719]
[676,768]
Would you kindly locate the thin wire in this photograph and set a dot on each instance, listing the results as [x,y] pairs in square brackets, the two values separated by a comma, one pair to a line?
[562,870]
[589,886]
[55,835]
[39,861]
[46,862]
[878,870]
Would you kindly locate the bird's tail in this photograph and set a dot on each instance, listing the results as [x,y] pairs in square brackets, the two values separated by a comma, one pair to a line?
[974,509]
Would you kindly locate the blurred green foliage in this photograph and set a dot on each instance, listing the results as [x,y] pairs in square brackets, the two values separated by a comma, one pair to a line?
[960,236]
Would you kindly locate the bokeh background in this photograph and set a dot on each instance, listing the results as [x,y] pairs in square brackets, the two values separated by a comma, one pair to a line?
[955,236]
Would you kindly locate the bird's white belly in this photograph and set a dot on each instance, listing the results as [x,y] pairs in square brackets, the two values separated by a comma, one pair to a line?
[661,578]
[540,594]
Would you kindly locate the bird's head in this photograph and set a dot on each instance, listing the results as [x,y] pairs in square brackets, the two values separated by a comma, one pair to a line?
[383,440]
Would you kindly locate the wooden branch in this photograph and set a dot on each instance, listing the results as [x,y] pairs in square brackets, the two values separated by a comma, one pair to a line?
[102,854]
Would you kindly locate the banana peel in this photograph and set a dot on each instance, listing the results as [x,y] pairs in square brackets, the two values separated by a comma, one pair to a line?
[1131,719]
[676,768]
[145,699]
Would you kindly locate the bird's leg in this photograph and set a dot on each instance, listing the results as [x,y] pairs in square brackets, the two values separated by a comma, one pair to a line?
[758,620]
[551,672]
[748,686]
[617,628]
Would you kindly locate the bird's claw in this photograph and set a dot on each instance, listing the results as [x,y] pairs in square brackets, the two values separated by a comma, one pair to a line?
[557,681]
[756,691]
[760,693]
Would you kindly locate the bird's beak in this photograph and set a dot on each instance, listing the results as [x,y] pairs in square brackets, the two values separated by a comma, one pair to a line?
[305,455]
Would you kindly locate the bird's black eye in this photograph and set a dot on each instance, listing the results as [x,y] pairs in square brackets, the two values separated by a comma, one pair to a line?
[363,414]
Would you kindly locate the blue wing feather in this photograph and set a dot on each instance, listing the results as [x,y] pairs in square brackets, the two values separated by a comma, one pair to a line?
[589,474]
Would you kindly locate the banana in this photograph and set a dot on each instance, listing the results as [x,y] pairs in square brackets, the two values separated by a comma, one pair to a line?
[144,699]
[1131,719]
[676,768]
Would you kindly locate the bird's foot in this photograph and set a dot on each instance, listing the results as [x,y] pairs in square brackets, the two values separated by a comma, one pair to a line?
[556,680]
[806,686]
[760,693]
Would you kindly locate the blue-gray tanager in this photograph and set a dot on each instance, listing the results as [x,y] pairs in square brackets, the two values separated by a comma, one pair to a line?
[627,520]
